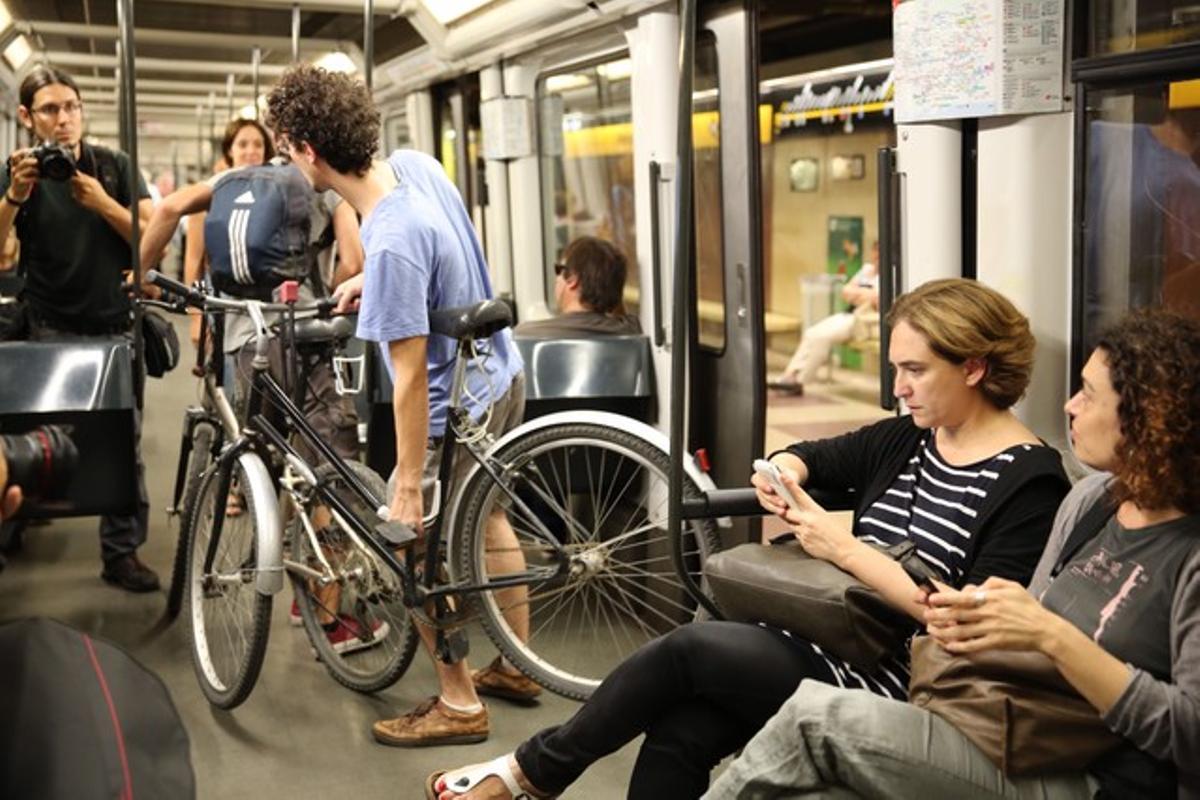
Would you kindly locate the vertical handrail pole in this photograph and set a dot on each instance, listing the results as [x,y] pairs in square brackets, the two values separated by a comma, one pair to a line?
[682,298]
[369,43]
[255,61]
[128,105]
[295,33]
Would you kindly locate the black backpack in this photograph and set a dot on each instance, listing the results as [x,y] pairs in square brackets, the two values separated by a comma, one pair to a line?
[257,230]
[69,699]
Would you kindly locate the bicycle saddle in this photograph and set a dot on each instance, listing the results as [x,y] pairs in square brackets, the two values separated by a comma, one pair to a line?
[471,322]
[316,331]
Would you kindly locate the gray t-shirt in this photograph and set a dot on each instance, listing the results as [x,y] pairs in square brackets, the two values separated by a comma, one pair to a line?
[1120,587]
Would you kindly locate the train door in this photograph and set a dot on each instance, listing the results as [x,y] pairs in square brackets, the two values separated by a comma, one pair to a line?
[459,137]
[728,381]
[825,97]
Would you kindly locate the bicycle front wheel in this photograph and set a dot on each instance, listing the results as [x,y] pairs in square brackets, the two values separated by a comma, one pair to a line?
[602,495]
[199,461]
[229,617]
[355,618]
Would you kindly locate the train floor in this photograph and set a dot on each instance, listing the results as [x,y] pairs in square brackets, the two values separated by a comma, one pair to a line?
[300,734]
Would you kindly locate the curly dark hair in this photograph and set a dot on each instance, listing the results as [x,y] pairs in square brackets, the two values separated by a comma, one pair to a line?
[1153,358]
[330,111]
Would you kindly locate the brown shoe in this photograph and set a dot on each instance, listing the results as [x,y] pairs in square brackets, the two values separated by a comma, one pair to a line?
[494,681]
[432,723]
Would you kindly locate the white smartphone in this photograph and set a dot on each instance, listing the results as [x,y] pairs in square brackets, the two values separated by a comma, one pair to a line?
[775,478]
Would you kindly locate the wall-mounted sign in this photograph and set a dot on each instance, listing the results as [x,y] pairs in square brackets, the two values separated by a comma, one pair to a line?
[805,174]
[507,124]
[861,96]
[977,58]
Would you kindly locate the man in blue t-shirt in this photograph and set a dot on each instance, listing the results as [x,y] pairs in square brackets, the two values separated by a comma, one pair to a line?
[420,254]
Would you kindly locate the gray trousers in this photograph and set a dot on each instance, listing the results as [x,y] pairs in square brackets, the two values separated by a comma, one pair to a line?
[831,742]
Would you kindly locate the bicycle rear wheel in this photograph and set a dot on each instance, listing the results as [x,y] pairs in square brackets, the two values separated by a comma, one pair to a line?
[603,495]
[358,625]
[229,617]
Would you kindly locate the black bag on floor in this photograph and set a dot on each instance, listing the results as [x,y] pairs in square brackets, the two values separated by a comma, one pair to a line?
[81,719]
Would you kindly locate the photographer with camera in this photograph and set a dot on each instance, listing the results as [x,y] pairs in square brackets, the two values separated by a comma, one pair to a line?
[69,202]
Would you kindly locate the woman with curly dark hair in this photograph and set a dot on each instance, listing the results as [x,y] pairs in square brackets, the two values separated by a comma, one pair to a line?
[1117,614]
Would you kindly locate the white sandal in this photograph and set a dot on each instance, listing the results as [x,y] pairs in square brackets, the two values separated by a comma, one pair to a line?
[468,778]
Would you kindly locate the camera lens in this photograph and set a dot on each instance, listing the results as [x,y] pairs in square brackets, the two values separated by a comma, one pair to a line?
[41,462]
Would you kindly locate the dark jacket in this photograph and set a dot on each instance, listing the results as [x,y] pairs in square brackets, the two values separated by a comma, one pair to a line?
[1013,523]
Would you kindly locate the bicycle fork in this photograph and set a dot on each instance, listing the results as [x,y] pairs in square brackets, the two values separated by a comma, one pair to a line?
[267,558]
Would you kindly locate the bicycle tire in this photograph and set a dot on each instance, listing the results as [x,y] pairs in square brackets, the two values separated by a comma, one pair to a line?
[620,574]
[198,462]
[226,678]
[367,603]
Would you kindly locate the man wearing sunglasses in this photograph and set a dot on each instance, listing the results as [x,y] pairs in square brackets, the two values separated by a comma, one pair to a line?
[75,227]
[589,283]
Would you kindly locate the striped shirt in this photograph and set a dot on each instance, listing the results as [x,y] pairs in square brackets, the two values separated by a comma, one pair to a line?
[935,506]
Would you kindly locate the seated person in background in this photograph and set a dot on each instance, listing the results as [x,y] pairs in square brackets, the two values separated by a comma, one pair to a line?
[1120,620]
[817,343]
[962,478]
[588,284]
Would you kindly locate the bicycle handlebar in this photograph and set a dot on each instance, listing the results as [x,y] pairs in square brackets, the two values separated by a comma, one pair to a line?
[206,302]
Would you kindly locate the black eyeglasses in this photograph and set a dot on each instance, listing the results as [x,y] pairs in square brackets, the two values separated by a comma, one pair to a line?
[559,269]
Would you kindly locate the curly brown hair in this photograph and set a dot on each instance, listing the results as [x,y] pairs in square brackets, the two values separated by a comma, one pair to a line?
[330,111]
[1153,358]
[962,319]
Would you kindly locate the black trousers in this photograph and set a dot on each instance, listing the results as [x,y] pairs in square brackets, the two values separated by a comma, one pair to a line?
[699,694]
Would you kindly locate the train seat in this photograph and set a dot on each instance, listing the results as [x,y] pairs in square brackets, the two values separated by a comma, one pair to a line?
[87,386]
[606,373]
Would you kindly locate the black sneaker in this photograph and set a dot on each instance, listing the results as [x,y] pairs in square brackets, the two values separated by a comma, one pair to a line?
[130,574]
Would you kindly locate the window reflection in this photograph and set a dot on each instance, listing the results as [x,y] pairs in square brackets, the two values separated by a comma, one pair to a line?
[586,146]
[1142,206]
[1121,26]
[706,191]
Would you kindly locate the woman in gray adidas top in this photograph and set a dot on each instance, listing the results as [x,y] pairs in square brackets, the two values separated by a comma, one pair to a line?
[1119,614]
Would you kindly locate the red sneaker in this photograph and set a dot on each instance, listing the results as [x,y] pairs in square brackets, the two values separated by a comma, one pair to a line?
[348,636]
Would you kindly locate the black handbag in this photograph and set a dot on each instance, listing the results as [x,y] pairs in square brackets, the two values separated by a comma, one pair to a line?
[160,344]
[781,585]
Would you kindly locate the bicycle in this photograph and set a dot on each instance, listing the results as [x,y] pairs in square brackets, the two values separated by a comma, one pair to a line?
[585,493]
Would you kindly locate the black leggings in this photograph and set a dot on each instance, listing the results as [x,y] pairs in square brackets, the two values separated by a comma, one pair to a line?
[698,693]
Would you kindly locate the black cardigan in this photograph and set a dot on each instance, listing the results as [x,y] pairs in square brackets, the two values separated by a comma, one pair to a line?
[1013,523]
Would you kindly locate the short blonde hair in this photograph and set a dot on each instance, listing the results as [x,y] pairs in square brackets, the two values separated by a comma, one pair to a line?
[961,320]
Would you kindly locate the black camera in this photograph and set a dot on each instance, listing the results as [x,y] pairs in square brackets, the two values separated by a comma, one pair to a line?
[42,462]
[55,161]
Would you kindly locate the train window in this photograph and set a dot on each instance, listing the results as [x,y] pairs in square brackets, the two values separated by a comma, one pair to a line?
[448,134]
[1141,228]
[709,231]
[1120,26]
[586,148]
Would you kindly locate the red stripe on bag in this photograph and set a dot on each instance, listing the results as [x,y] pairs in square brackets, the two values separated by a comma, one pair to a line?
[127,789]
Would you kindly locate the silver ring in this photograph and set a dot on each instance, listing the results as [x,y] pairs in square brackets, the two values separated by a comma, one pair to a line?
[980,597]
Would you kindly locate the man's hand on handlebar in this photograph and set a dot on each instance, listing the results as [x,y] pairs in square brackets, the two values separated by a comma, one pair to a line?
[347,294]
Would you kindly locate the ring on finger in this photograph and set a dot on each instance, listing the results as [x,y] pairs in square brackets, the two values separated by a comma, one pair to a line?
[980,597]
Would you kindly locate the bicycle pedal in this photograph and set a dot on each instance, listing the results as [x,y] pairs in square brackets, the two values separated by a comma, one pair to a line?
[396,533]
